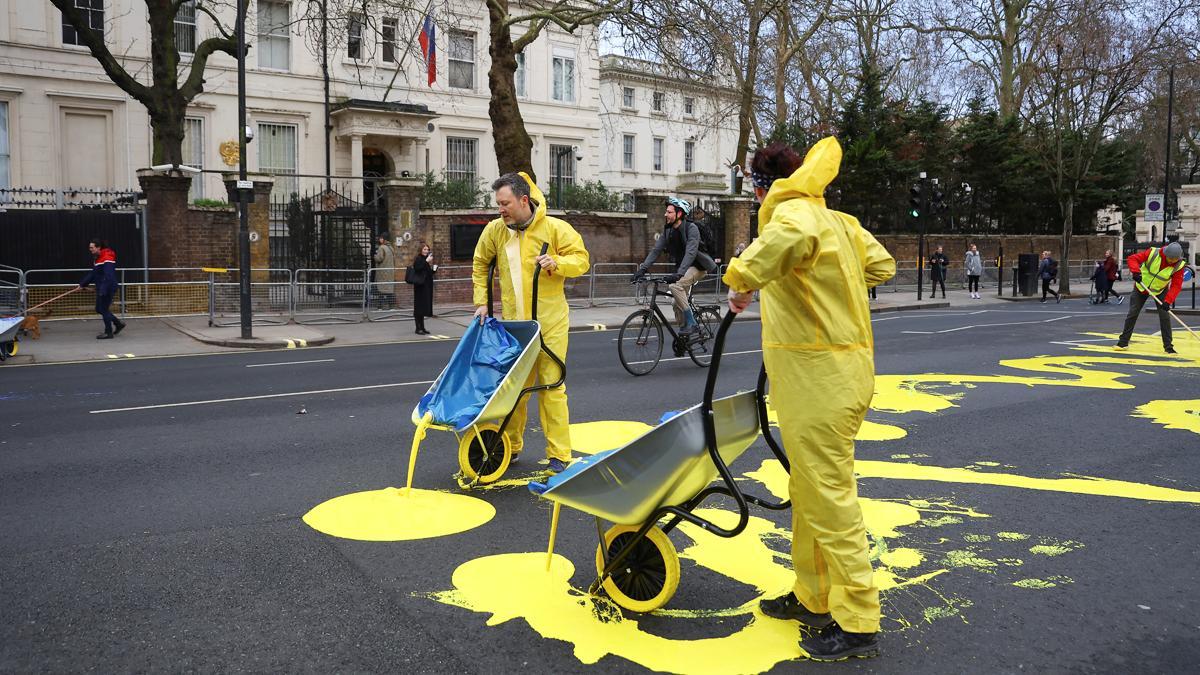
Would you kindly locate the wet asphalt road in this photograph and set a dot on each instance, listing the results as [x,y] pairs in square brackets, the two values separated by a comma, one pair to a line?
[170,538]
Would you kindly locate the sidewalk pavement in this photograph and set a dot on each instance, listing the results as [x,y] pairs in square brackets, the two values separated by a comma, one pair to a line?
[71,340]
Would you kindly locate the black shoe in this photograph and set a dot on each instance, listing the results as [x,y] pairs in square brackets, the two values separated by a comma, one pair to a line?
[104,336]
[1170,350]
[1057,299]
[834,644]
[120,327]
[789,608]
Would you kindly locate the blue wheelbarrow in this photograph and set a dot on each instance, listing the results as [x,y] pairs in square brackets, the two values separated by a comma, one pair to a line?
[664,475]
[8,336]
[480,388]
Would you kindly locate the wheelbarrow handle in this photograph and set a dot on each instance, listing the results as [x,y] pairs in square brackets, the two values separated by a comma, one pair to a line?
[491,273]
[536,275]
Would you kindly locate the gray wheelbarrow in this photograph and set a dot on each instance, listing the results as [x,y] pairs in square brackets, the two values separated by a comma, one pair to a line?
[664,474]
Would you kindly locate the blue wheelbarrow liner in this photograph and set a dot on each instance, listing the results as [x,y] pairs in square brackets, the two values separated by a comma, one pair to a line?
[665,474]
[484,452]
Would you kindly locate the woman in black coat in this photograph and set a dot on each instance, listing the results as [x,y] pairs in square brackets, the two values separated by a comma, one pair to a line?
[423,271]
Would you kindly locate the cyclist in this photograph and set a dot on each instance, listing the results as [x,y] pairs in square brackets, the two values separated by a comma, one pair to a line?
[681,239]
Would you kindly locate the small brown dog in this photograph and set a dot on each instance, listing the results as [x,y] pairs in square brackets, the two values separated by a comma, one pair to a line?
[31,326]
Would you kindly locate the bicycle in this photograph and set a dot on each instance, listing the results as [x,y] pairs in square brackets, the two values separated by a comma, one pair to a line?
[640,342]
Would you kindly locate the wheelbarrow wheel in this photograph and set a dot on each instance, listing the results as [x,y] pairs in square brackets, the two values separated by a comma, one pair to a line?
[8,349]
[473,458]
[649,575]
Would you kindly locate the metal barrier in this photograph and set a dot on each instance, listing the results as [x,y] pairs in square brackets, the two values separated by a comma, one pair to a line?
[388,297]
[12,290]
[40,286]
[160,291]
[270,297]
[454,291]
[329,296]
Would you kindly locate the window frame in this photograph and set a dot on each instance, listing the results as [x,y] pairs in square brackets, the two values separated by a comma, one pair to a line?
[285,187]
[628,98]
[92,12]
[196,191]
[558,70]
[521,77]
[658,102]
[658,154]
[6,157]
[274,36]
[628,152]
[192,25]
[689,106]
[689,156]
[571,167]
[354,38]
[471,175]
[451,60]
[387,45]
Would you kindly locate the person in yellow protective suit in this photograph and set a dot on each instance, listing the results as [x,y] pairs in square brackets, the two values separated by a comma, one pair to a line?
[515,241]
[812,267]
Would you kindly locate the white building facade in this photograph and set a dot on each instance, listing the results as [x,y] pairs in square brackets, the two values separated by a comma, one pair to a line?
[64,124]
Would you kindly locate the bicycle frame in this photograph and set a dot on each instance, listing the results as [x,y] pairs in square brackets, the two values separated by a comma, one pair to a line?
[662,318]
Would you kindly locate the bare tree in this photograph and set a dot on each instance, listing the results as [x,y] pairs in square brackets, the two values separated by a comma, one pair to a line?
[1085,84]
[165,97]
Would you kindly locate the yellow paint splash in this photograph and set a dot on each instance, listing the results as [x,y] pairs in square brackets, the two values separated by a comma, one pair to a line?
[1011,536]
[392,515]
[1051,547]
[1042,584]
[588,438]
[1101,487]
[553,609]
[1182,415]
[902,558]
[963,558]
[869,431]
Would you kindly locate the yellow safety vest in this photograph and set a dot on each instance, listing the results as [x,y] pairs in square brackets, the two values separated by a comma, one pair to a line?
[1155,274]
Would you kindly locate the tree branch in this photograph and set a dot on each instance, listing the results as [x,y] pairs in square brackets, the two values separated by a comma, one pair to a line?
[95,43]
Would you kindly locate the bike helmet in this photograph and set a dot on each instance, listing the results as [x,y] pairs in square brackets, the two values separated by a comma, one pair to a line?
[680,204]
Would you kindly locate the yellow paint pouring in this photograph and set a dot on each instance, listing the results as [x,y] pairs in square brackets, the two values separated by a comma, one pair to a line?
[1182,415]
[1101,487]
[396,514]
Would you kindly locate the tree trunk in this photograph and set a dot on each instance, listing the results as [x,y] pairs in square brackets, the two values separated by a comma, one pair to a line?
[513,146]
[168,127]
[746,108]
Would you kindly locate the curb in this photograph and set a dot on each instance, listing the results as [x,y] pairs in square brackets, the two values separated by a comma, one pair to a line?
[911,307]
[252,343]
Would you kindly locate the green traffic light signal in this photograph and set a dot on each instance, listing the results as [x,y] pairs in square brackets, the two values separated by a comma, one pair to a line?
[914,213]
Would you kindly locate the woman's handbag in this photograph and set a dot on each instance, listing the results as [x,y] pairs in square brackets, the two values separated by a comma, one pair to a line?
[410,275]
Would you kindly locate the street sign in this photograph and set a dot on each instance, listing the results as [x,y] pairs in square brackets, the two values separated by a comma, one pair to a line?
[245,185]
[1154,207]
[253,236]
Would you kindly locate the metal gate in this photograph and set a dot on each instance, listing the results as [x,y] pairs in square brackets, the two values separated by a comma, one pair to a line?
[325,230]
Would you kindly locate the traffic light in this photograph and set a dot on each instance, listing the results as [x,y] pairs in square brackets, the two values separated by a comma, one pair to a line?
[914,202]
[939,203]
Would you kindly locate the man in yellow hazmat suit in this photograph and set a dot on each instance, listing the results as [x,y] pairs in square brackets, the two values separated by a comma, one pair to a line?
[515,241]
[812,267]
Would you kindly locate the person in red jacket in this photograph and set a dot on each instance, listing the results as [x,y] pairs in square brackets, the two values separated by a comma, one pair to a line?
[1111,271]
[1158,271]
[104,275]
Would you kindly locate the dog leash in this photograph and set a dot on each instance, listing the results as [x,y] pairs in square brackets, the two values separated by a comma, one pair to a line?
[30,309]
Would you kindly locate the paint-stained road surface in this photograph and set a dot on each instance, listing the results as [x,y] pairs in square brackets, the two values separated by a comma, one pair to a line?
[1032,499]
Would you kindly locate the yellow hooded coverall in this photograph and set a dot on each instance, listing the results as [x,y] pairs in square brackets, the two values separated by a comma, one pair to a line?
[813,266]
[515,251]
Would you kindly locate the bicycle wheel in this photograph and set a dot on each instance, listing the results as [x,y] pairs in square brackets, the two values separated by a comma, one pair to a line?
[640,343]
[700,342]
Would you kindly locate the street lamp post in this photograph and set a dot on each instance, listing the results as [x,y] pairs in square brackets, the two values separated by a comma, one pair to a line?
[1167,170]
[243,185]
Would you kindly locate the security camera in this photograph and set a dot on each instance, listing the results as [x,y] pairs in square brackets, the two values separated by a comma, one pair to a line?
[249,133]
[578,154]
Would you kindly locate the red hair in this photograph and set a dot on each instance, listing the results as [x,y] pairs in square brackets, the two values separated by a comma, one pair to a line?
[777,159]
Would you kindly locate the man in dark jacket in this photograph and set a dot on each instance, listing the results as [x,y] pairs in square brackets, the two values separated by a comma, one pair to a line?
[104,275]
[681,239]
[938,262]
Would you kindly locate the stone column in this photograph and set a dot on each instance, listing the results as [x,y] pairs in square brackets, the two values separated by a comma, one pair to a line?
[736,213]
[258,220]
[356,155]
[652,203]
[166,216]
[419,155]
[403,197]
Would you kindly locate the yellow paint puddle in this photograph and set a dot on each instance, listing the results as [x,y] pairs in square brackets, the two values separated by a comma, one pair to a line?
[394,514]
[588,438]
[963,558]
[1042,584]
[1011,536]
[1052,547]
[1183,415]
[902,558]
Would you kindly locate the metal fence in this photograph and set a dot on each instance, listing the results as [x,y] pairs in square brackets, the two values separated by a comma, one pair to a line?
[315,296]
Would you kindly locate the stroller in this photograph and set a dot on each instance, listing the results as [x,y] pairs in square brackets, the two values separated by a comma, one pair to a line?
[666,473]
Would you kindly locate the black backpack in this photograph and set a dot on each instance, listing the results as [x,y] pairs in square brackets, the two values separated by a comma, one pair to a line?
[708,243]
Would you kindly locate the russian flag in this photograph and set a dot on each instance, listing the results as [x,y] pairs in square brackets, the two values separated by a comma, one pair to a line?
[428,42]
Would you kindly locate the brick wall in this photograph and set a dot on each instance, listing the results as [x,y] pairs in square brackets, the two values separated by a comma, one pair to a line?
[1083,247]
[609,237]
[179,235]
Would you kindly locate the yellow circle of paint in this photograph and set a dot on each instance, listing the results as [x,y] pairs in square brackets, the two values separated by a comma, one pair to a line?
[396,514]
[589,438]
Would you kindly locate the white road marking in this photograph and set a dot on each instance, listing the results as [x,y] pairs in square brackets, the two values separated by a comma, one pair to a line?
[681,358]
[986,325]
[287,363]
[255,398]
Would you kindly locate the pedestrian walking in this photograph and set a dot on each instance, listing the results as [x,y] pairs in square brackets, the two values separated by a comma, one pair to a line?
[514,241]
[104,275]
[1048,271]
[1112,272]
[385,273]
[423,269]
[812,267]
[974,267]
[938,262]
[1158,271]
